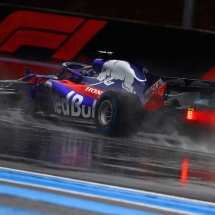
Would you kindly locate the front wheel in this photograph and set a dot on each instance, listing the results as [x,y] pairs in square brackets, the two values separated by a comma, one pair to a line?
[118,112]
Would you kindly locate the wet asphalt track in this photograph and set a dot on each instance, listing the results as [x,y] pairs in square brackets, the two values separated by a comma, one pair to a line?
[172,165]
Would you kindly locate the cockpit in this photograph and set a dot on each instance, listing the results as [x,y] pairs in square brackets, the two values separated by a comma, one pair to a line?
[75,72]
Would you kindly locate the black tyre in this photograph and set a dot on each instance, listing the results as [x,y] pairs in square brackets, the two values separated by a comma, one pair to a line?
[118,112]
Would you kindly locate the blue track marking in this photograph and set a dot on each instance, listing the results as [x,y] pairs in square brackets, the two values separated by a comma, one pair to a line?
[5,210]
[69,201]
[153,200]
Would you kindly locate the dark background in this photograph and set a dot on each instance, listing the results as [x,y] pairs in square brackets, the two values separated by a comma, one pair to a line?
[148,31]
[161,12]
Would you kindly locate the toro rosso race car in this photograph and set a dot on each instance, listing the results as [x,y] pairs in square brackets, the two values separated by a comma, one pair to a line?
[117,95]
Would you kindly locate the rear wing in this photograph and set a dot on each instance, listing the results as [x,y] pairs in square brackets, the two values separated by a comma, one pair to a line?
[189,85]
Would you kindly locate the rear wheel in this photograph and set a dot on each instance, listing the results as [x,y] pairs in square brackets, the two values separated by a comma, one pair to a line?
[105,112]
[118,112]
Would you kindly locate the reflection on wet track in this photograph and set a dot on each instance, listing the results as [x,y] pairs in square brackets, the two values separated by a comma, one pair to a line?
[165,164]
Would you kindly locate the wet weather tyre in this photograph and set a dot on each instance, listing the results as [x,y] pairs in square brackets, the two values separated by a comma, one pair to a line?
[118,112]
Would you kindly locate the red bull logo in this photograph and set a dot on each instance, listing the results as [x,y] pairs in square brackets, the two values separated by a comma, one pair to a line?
[114,70]
[73,106]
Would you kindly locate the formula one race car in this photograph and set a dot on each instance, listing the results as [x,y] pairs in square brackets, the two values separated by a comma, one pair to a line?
[117,95]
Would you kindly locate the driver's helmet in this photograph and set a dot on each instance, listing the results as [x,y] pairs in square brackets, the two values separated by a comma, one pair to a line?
[87,71]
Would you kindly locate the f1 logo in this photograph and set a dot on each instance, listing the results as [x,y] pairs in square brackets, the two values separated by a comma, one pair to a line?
[65,34]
